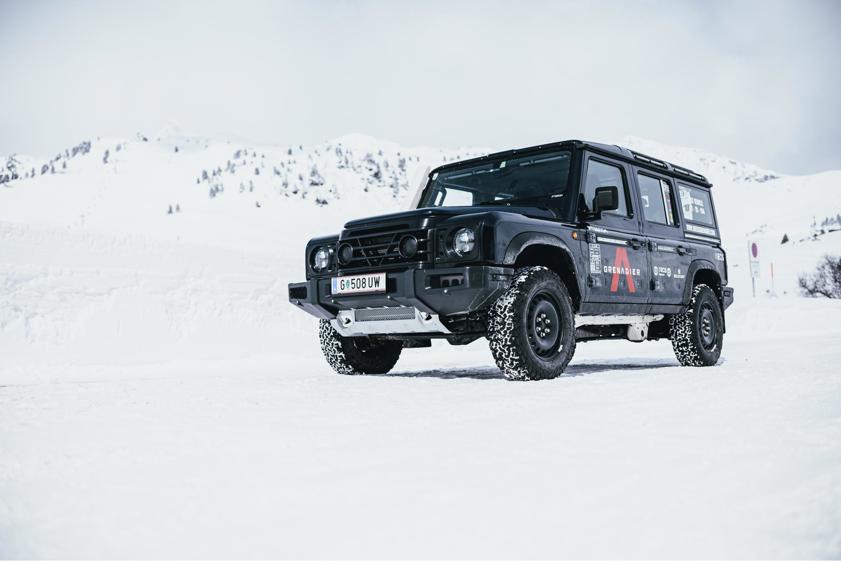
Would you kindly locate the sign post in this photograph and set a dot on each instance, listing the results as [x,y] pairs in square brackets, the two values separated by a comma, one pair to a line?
[773,292]
[753,255]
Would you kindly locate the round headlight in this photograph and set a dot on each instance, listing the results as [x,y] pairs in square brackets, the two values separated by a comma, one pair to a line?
[464,241]
[321,259]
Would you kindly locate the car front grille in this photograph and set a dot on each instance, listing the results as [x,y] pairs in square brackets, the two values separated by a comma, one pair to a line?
[376,248]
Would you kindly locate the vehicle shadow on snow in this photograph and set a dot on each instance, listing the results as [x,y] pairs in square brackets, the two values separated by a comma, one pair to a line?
[573,370]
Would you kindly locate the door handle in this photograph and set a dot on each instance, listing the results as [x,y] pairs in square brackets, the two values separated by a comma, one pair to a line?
[635,243]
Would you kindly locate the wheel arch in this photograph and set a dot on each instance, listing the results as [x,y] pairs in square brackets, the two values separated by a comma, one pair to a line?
[704,272]
[536,248]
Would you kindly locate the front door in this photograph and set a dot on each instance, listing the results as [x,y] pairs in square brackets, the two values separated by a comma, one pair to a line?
[619,268]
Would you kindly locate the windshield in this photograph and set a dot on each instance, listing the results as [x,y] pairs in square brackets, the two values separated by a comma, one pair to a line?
[539,179]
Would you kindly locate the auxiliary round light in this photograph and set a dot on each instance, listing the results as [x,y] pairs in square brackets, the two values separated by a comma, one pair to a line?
[345,253]
[408,246]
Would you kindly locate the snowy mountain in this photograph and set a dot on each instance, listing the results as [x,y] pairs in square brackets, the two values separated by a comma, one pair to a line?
[350,165]
[174,186]
[715,168]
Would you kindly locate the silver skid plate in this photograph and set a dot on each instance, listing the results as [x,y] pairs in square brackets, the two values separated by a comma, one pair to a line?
[395,320]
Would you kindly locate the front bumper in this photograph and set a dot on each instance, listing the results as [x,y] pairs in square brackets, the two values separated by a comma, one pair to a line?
[443,292]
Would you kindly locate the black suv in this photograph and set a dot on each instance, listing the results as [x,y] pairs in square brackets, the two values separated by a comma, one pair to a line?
[535,249]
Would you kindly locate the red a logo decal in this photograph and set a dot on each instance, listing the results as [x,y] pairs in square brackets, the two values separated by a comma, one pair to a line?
[622,263]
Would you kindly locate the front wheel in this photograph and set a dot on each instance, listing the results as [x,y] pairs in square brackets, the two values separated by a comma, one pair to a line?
[698,334]
[357,355]
[531,328]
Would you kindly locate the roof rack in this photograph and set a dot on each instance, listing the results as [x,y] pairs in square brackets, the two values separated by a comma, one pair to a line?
[689,173]
[664,165]
[615,151]
[649,160]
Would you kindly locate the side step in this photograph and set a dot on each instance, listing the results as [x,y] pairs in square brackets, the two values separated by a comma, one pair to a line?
[637,325]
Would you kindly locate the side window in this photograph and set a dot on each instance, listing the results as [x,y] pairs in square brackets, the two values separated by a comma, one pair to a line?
[696,205]
[656,194]
[604,175]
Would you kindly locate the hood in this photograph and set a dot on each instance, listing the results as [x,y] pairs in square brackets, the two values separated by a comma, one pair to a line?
[436,214]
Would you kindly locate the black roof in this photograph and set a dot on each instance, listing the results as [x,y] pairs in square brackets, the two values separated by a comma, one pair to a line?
[614,151]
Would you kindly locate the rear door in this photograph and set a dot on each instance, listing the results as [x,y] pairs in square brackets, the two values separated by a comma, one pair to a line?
[619,268]
[700,228]
[670,256]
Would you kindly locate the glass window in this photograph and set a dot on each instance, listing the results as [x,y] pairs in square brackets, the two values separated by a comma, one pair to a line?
[656,197]
[536,179]
[696,205]
[605,175]
[455,197]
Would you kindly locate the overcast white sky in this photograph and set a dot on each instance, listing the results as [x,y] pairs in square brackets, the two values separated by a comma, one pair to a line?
[758,81]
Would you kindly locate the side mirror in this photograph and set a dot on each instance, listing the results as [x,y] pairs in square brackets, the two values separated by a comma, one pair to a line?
[607,198]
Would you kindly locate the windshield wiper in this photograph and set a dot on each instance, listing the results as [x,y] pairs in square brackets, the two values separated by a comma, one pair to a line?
[509,202]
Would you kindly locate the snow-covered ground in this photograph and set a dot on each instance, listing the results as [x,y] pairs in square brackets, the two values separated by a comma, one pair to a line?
[159,396]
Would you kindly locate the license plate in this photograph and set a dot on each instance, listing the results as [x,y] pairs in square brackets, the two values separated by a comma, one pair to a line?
[358,284]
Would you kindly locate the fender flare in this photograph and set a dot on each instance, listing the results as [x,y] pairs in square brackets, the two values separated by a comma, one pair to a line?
[523,240]
[694,267]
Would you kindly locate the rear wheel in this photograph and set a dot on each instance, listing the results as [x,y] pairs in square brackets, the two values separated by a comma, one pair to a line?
[531,328]
[357,355]
[698,334]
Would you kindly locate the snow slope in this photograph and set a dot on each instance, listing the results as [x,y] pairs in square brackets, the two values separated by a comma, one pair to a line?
[159,397]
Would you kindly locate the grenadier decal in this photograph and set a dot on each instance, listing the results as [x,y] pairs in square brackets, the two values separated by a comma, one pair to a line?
[622,266]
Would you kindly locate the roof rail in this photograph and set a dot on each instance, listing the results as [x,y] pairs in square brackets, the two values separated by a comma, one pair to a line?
[689,173]
[649,160]
[676,169]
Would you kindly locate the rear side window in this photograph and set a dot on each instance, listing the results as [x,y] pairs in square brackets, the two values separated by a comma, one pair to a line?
[605,175]
[656,197]
[696,205]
